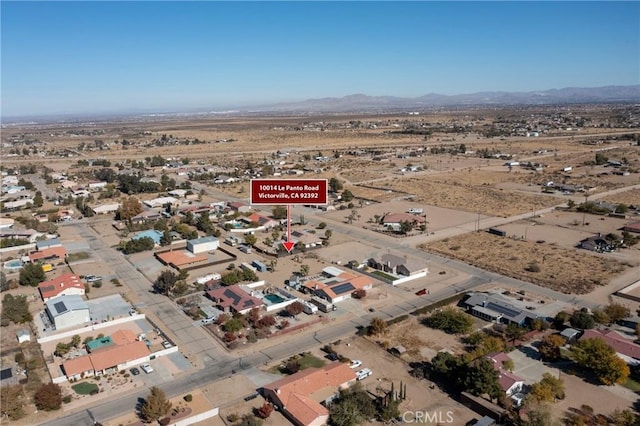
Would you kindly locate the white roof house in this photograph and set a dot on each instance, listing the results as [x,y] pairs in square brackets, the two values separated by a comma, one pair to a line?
[106,208]
[160,201]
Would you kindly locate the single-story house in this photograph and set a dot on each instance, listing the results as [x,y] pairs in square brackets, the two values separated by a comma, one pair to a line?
[398,265]
[234,299]
[146,216]
[64,285]
[106,208]
[632,227]
[336,285]
[625,348]
[180,259]
[44,244]
[161,201]
[394,220]
[110,358]
[300,396]
[48,254]
[238,206]
[263,221]
[570,334]
[509,382]
[598,244]
[97,185]
[495,307]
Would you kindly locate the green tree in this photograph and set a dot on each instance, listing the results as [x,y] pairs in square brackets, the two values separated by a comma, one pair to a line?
[279,212]
[450,321]
[4,283]
[582,319]
[481,378]
[353,407]
[165,283]
[596,355]
[31,274]
[550,347]
[76,340]
[250,239]
[514,332]
[601,158]
[14,309]
[38,201]
[155,406]
[304,270]
[48,397]
[335,185]
[560,319]
[548,389]
[346,196]
[233,325]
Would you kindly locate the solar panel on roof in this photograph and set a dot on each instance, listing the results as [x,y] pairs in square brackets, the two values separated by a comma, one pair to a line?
[6,374]
[59,307]
[343,288]
[502,309]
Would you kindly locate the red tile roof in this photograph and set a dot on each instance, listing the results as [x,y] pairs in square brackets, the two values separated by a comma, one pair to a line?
[294,391]
[56,286]
[114,355]
[122,337]
[619,343]
[179,258]
[48,253]
[77,366]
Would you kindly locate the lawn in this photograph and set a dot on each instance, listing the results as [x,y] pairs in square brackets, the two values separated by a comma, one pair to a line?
[307,360]
[85,388]
[385,276]
[72,257]
[632,384]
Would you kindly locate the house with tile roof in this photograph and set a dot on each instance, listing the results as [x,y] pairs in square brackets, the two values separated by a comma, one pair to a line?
[626,349]
[300,396]
[398,265]
[108,359]
[234,298]
[63,285]
[55,254]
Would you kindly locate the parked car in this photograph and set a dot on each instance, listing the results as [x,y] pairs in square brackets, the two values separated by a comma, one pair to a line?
[363,374]
[134,371]
[355,363]
[333,356]
[166,344]
[147,368]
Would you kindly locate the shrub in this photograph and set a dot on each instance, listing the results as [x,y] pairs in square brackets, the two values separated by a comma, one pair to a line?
[164,421]
[48,397]
[188,397]
[66,399]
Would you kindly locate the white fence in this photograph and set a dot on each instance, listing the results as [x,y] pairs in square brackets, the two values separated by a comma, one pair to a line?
[89,327]
[17,248]
[198,417]
[409,278]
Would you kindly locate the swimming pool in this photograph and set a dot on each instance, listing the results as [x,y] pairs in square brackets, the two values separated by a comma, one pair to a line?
[274,298]
[13,264]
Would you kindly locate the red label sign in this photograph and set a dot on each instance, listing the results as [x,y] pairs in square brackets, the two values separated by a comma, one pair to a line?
[288,191]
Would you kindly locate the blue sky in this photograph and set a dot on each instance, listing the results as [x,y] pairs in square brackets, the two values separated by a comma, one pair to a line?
[85,57]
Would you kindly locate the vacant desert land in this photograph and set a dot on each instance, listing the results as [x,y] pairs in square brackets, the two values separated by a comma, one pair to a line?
[631,197]
[561,269]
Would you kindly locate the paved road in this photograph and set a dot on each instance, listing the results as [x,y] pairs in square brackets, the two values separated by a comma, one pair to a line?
[180,327]
[223,365]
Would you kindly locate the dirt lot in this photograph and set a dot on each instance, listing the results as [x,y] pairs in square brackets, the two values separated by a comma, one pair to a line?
[578,272]
[631,197]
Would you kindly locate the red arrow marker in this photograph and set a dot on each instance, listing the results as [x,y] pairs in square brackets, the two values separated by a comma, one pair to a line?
[288,245]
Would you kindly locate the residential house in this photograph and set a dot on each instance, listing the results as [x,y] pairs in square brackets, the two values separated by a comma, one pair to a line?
[161,202]
[146,216]
[300,396]
[45,244]
[234,299]
[106,208]
[96,185]
[495,307]
[336,285]
[64,285]
[202,245]
[398,265]
[570,334]
[598,244]
[239,207]
[625,348]
[632,227]
[395,220]
[181,259]
[262,221]
[110,358]
[509,382]
[51,254]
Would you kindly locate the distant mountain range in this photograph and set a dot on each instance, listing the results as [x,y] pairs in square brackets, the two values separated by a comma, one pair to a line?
[359,102]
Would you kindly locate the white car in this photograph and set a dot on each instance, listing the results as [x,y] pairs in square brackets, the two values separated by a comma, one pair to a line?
[166,344]
[355,363]
[363,374]
[147,368]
